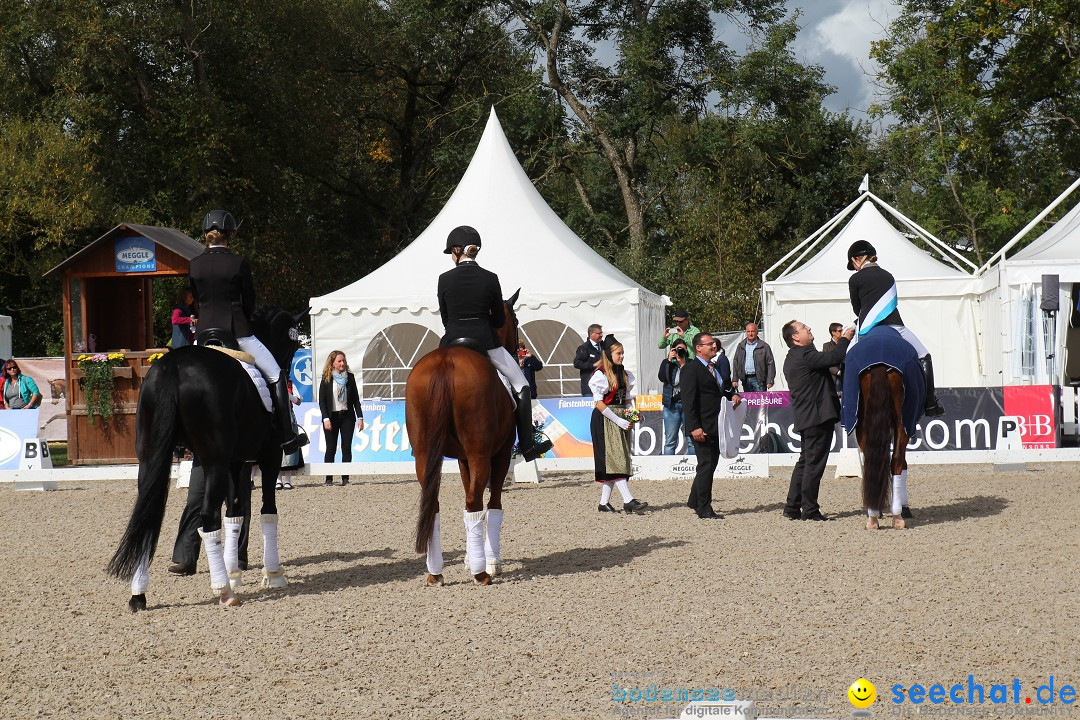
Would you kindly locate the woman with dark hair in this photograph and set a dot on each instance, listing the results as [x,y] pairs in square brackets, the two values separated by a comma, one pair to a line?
[20,392]
[339,403]
[183,319]
[613,417]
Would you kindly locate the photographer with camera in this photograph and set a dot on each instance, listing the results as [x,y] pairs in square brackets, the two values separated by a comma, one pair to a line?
[529,365]
[670,371]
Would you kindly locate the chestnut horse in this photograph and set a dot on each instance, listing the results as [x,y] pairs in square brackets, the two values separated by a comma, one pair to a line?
[456,406]
[880,424]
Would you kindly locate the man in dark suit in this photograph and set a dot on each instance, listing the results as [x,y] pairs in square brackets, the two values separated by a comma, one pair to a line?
[816,409]
[702,392]
[586,357]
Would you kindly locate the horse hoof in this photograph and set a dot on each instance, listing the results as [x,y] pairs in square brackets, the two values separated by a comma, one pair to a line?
[274,579]
[898,523]
[228,599]
[482,579]
[494,568]
[872,523]
[434,580]
[236,580]
[137,603]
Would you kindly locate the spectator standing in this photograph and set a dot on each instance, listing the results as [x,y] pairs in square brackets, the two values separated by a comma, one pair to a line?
[293,461]
[835,331]
[183,319]
[339,403]
[530,365]
[587,356]
[753,366]
[671,369]
[684,330]
[816,409]
[20,392]
[612,387]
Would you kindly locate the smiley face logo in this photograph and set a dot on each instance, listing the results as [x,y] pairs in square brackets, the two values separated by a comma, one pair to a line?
[862,693]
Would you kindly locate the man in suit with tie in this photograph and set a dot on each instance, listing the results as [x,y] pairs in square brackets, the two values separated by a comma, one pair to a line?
[816,409]
[587,356]
[703,389]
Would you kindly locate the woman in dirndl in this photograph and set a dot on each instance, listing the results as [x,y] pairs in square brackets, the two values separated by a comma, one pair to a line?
[612,421]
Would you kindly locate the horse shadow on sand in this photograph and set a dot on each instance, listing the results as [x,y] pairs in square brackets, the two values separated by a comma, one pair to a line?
[978,506]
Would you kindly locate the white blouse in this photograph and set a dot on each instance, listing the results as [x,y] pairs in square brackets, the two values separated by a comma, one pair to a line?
[598,383]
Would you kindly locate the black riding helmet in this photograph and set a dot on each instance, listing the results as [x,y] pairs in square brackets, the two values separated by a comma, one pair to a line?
[220,220]
[461,236]
[858,249]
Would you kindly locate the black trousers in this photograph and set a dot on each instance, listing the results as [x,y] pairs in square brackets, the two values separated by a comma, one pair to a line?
[188,542]
[806,477]
[343,423]
[708,457]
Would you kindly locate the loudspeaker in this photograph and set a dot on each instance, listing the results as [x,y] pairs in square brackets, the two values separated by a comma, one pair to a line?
[1049,294]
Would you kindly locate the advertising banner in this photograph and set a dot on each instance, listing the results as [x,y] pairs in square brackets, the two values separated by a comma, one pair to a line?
[135,254]
[972,421]
[16,426]
[304,376]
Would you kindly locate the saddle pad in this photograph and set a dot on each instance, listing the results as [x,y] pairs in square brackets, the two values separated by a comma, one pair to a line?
[882,345]
[237,354]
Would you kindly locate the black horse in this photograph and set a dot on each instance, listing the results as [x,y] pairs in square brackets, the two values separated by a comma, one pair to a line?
[205,399]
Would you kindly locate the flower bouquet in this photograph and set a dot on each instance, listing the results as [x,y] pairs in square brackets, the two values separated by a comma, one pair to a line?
[97,383]
[631,414]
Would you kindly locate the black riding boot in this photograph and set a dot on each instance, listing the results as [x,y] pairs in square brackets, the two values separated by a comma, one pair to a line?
[291,441]
[933,405]
[526,434]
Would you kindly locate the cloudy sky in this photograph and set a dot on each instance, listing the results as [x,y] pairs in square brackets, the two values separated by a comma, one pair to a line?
[836,34]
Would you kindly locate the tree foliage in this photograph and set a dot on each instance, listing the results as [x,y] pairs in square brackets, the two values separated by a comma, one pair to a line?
[987,94]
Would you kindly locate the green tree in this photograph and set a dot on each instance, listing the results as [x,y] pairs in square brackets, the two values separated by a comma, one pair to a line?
[666,60]
[987,98]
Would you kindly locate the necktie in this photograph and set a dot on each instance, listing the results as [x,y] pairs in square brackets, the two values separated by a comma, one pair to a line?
[712,371]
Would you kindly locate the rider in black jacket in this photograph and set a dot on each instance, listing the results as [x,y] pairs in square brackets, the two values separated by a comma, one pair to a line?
[222,285]
[471,305]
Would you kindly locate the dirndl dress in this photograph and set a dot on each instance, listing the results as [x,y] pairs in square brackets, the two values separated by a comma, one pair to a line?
[611,444]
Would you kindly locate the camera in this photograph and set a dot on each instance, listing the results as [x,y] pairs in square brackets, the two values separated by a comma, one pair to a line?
[522,352]
[680,351]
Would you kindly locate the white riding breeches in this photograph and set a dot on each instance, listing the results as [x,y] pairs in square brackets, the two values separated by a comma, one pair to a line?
[506,364]
[263,359]
[911,338]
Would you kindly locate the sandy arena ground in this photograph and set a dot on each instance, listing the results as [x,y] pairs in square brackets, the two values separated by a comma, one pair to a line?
[983,583]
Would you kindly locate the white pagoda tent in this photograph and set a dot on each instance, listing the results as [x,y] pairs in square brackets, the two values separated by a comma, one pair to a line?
[939,297]
[388,319]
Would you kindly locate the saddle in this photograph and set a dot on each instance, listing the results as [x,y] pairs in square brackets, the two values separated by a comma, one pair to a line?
[217,338]
[469,343]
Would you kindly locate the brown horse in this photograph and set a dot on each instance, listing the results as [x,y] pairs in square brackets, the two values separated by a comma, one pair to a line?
[456,406]
[880,424]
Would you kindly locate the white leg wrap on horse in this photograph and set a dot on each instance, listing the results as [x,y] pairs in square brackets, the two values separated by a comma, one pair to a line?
[269,524]
[215,556]
[492,540]
[901,488]
[141,579]
[474,541]
[624,490]
[605,491]
[233,526]
[434,549]
[895,507]
[872,513]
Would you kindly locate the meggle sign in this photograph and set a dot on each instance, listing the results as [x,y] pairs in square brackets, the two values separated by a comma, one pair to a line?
[135,254]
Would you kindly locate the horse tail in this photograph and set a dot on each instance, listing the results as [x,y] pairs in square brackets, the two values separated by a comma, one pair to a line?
[157,432]
[438,425]
[880,431]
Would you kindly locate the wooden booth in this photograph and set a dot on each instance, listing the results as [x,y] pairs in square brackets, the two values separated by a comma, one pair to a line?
[108,308]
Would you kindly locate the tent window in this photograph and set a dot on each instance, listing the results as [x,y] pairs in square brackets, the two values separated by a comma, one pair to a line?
[555,343]
[390,357]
